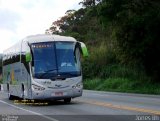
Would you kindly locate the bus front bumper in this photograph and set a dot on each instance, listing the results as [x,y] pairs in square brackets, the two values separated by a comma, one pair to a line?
[52,94]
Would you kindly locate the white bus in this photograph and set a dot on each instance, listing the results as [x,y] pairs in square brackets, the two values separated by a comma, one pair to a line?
[44,67]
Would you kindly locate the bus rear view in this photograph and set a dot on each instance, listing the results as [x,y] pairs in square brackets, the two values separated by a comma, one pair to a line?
[52,66]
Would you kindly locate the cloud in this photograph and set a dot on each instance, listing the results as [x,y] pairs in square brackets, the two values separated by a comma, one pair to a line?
[9,20]
[7,38]
[20,18]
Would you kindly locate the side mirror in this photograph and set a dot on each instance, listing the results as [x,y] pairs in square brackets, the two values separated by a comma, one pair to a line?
[28,57]
[84,49]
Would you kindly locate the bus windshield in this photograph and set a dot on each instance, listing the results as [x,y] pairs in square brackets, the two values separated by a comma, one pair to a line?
[52,59]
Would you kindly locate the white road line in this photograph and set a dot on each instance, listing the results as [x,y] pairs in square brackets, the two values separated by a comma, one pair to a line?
[49,118]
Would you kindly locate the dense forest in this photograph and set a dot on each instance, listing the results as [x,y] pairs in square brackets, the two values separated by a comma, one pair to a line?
[122,37]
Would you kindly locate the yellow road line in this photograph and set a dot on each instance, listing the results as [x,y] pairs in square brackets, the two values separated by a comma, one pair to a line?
[110,105]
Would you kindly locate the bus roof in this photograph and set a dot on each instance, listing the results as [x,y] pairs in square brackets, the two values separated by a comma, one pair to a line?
[47,38]
[38,38]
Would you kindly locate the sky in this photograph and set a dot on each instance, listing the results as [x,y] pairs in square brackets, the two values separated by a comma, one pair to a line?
[20,18]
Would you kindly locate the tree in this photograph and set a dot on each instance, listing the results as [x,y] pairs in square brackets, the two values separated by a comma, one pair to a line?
[136,26]
[89,3]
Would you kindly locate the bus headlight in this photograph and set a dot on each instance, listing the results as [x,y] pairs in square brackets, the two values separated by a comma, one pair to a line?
[37,88]
[78,86]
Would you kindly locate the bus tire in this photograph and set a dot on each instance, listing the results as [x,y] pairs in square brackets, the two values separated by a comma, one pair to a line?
[10,97]
[67,100]
[22,92]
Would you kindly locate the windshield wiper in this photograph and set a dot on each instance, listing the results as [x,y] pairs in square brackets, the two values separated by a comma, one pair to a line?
[50,70]
[64,75]
[46,72]
[69,74]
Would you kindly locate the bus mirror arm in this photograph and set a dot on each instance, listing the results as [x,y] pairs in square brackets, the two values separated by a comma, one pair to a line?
[83,49]
[28,57]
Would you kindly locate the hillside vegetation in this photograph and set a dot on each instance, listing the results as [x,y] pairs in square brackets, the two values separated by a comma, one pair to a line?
[122,37]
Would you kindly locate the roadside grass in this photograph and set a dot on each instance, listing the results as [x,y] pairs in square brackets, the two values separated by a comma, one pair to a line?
[120,78]
[122,85]
[101,71]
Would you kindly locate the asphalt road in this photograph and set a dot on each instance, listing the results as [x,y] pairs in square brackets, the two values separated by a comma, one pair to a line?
[92,106]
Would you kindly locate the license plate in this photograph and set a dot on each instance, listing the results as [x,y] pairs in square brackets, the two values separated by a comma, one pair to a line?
[58,93]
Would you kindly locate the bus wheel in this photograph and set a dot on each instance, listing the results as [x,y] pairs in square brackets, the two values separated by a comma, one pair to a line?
[22,95]
[67,100]
[22,92]
[10,97]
